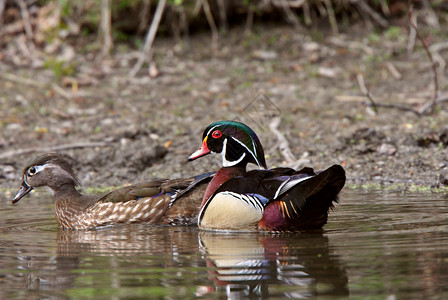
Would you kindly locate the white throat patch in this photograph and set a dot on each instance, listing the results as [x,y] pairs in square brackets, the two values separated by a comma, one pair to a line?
[227,163]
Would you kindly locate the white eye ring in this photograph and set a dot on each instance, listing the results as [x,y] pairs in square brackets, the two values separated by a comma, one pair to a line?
[34,170]
[31,171]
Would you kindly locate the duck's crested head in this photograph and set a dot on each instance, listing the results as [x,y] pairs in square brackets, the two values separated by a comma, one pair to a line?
[49,169]
[237,143]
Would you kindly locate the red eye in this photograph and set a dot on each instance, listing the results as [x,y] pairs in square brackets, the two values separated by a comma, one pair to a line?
[216,134]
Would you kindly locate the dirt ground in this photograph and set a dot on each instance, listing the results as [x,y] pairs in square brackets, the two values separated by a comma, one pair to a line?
[120,129]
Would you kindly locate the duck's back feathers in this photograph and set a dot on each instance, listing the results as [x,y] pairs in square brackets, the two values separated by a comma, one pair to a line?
[305,205]
[155,188]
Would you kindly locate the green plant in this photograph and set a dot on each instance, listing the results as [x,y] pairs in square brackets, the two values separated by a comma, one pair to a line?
[60,68]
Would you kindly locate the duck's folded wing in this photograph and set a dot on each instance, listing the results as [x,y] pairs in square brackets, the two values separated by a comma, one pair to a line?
[307,203]
[322,187]
[184,186]
[133,192]
[155,188]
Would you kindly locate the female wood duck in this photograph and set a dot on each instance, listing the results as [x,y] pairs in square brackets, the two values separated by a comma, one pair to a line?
[280,199]
[158,201]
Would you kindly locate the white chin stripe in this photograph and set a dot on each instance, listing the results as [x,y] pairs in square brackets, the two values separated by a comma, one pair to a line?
[227,163]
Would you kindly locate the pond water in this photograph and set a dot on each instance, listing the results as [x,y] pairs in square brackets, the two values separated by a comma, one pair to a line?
[376,245]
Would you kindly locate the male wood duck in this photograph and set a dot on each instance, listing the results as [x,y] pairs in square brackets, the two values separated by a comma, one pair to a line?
[279,199]
[165,201]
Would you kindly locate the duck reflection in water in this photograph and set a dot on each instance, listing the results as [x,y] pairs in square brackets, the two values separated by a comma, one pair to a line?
[232,265]
[259,265]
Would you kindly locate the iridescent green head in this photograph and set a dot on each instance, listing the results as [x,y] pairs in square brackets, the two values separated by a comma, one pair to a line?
[237,143]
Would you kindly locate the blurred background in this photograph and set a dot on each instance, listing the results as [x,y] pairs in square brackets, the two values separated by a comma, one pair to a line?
[126,87]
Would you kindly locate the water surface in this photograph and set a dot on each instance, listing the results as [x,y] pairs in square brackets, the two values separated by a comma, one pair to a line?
[379,245]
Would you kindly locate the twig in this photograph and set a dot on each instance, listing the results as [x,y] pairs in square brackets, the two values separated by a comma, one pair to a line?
[366,92]
[431,59]
[13,28]
[60,91]
[28,29]
[307,13]
[212,24]
[412,36]
[26,19]
[183,20]
[290,16]
[12,153]
[350,45]
[364,7]
[397,106]
[22,80]
[349,98]
[283,143]
[391,68]
[435,49]
[283,146]
[385,7]
[144,16]
[223,16]
[2,8]
[332,17]
[431,18]
[197,8]
[106,31]
[365,17]
[438,47]
[419,112]
[249,20]
[149,38]
[440,61]
[289,3]
[321,8]
[27,81]
[402,107]
[430,104]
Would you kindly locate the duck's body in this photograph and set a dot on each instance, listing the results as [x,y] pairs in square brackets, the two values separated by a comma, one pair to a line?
[280,199]
[157,201]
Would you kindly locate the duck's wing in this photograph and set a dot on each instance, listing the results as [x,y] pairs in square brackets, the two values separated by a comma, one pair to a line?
[185,206]
[302,201]
[133,192]
[155,188]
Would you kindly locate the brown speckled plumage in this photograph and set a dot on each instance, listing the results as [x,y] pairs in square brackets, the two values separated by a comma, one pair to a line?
[174,201]
[146,210]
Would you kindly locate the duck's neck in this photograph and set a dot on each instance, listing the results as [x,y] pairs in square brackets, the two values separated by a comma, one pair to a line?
[65,191]
[67,195]
[68,203]
[222,176]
